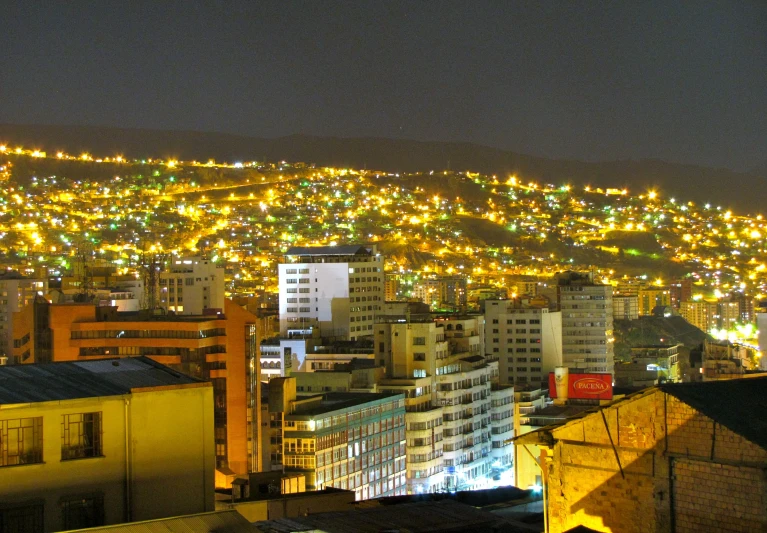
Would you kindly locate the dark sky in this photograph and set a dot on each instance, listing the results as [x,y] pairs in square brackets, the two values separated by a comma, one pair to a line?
[680,81]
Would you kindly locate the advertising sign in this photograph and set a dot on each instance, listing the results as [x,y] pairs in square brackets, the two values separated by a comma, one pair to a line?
[585,386]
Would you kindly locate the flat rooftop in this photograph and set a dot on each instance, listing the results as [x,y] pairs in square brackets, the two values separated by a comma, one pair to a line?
[337,401]
[84,379]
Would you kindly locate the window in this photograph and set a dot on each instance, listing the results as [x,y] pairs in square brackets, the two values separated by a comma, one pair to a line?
[419,341]
[22,518]
[419,356]
[82,511]
[80,436]
[21,441]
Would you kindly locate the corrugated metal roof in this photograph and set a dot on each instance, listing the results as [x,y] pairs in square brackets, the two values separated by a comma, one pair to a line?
[83,379]
[218,521]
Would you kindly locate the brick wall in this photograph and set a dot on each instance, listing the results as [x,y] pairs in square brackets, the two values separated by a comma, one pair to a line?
[719,481]
[715,497]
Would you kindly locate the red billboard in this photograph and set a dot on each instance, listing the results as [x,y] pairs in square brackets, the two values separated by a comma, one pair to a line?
[585,386]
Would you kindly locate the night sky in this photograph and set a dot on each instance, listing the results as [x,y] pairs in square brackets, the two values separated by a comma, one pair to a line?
[684,82]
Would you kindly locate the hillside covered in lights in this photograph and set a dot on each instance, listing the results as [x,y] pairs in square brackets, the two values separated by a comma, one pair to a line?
[54,207]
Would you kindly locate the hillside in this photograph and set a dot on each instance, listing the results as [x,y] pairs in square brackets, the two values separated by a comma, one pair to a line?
[688,182]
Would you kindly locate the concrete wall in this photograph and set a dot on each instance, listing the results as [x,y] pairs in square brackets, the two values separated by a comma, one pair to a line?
[168,470]
[172,452]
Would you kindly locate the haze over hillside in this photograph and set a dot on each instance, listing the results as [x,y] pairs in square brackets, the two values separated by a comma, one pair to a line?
[740,191]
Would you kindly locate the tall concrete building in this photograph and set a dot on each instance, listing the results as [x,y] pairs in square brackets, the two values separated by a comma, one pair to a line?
[455,438]
[192,286]
[587,323]
[16,291]
[700,314]
[526,341]
[652,297]
[337,289]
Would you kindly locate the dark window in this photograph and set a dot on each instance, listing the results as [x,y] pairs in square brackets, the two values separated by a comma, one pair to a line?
[80,436]
[82,511]
[22,518]
[21,441]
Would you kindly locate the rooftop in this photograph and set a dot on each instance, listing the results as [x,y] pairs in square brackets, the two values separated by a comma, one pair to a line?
[737,404]
[84,379]
[336,401]
[213,522]
[418,517]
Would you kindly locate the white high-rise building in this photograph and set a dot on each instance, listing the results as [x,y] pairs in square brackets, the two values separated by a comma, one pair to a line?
[16,291]
[337,289]
[526,341]
[587,323]
[458,418]
[192,286]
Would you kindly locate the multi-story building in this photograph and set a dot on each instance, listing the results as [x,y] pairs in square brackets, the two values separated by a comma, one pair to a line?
[700,314]
[454,291]
[448,382]
[652,297]
[429,291]
[348,441]
[680,291]
[391,284]
[221,348]
[16,291]
[192,286]
[625,307]
[587,323]
[526,341]
[337,289]
[728,315]
[92,443]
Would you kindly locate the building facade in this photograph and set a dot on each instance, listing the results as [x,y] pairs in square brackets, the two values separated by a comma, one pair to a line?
[526,341]
[192,286]
[221,348]
[679,457]
[449,383]
[625,307]
[587,324]
[348,441]
[16,291]
[652,297]
[85,444]
[336,289]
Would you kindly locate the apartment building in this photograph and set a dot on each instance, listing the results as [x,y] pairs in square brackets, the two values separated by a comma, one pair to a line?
[587,323]
[92,443]
[700,314]
[625,307]
[352,441]
[337,289]
[439,364]
[221,348]
[526,341]
[16,291]
[651,297]
[192,286]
